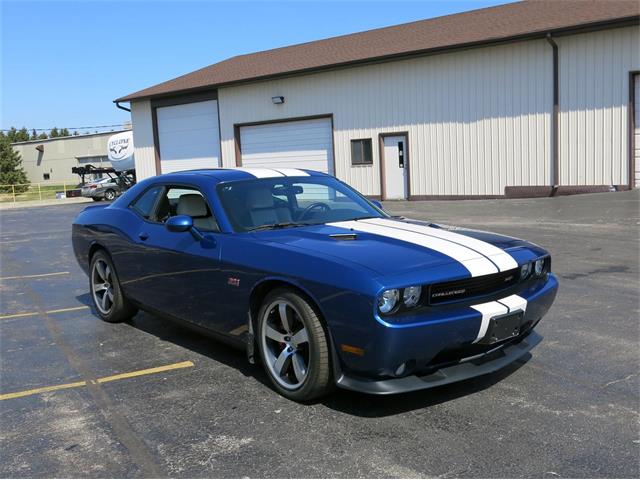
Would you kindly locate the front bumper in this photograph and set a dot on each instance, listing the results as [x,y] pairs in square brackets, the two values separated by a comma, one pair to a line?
[437,338]
[483,364]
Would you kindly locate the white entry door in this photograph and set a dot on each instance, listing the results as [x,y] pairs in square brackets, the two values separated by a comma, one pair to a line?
[188,136]
[297,144]
[395,167]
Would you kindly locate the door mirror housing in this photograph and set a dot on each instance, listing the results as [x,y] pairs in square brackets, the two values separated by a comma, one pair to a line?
[179,223]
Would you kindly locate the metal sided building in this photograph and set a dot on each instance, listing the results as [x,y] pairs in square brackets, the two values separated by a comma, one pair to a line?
[50,160]
[524,99]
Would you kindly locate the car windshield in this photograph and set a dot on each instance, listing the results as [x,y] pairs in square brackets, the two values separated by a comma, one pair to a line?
[270,203]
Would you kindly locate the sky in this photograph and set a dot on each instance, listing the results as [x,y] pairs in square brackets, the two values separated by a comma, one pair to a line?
[63,63]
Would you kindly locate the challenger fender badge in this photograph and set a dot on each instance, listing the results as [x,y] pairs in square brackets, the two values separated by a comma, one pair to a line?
[233,281]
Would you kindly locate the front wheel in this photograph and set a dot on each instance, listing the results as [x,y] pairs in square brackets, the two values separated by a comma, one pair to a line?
[109,195]
[107,295]
[293,346]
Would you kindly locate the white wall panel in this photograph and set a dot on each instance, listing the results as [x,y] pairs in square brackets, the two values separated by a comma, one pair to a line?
[143,139]
[478,120]
[594,94]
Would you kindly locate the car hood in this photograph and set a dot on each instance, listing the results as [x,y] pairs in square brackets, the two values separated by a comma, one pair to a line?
[398,246]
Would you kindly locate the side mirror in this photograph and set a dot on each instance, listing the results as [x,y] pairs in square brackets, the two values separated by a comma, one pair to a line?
[179,223]
[377,204]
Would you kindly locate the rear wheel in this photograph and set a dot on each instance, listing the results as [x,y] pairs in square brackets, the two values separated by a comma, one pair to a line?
[96,199]
[293,346]
[107,295]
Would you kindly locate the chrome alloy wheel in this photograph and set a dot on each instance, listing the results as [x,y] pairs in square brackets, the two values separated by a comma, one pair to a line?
[102,286]
[285,344]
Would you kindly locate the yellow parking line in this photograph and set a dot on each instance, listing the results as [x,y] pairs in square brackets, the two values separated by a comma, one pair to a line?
[137,373]
[34,276]
[31,314]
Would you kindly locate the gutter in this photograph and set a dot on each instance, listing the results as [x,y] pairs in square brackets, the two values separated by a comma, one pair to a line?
[121,107]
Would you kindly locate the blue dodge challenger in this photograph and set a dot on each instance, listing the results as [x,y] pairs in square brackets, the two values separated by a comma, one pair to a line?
[315,280]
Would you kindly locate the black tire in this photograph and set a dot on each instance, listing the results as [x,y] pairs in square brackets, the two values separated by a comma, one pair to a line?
[318,378]
[109,195]
[115,308]
[96,199]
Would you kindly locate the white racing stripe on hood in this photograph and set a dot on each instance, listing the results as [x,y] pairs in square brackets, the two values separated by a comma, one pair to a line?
[488,311]
[261,172]
[473,261]
[502,259]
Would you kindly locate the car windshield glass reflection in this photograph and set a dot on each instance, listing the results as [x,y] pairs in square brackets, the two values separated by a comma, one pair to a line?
[272,203]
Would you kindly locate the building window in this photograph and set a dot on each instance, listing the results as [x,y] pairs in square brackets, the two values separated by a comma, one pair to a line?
[361,153]
[46,176]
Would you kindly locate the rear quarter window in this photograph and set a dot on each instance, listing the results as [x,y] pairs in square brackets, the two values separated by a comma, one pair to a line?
[143,205]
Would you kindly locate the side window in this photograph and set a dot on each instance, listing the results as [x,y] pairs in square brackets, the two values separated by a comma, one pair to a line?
[186,201]
[143,206]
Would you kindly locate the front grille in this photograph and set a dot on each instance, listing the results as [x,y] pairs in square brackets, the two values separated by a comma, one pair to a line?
[471,287]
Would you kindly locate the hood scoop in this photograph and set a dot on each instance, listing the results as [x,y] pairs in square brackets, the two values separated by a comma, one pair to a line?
[344,236]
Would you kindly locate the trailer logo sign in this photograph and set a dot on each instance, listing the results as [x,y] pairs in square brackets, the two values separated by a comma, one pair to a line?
[120,146]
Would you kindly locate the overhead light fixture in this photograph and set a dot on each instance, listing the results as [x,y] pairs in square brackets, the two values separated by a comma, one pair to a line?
[277,100]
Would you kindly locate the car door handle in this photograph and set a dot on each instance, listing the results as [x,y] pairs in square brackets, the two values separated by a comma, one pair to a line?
[143,236]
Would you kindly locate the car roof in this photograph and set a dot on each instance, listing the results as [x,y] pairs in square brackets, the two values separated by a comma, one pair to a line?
[244,173]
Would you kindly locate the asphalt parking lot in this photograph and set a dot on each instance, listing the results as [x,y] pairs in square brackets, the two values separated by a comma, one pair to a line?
[148,398]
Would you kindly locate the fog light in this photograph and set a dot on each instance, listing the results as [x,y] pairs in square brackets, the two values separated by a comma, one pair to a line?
[401,369]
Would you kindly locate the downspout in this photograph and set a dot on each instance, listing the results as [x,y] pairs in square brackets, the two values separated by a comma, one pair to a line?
[555,118]
[121,107]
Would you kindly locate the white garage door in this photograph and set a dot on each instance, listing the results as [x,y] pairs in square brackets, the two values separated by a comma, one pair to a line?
[300,144]
[636,141]
[189,136]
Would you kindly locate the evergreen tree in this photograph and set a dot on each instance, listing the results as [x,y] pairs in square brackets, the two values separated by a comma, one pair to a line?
[11,171]
[54,132]
[34,134]
[64,132]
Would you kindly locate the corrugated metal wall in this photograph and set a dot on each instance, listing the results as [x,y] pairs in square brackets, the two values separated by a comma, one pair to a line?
[594,93]
[143,139]
[478,120]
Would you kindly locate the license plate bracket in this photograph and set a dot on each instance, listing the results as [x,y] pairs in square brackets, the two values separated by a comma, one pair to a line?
[503,327]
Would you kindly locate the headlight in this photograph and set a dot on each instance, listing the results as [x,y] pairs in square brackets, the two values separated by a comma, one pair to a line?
[525,271]
[388,300]
[539,267]
[411,296]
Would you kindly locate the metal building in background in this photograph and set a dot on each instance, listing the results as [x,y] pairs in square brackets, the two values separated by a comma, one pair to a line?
[525,99]
[51,160]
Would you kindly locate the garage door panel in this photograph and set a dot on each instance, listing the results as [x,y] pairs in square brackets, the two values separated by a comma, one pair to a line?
[188,136]
[183,123]
[299,144]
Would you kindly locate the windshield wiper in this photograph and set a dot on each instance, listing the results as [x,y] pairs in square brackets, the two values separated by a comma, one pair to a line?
[274,226]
